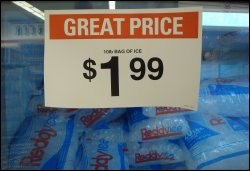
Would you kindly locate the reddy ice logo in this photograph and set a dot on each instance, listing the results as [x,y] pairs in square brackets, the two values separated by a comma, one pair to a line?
[169,110]
[148,134]
[153,156]
[93,116]
[102,159]
[41,109]
[216,120]
[40,144]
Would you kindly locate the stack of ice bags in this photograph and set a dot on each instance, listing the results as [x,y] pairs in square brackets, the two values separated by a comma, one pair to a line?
[50,138]
[225,96]
[153,134]
[142,138]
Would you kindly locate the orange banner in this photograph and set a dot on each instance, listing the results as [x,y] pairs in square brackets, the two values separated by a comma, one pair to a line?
[124,26]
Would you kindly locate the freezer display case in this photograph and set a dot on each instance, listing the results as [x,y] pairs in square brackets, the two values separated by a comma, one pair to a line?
[215,137]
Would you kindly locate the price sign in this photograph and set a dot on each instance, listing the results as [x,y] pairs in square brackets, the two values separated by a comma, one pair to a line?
[122,58]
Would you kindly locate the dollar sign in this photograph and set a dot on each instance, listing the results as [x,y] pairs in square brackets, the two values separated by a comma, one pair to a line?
[92,72]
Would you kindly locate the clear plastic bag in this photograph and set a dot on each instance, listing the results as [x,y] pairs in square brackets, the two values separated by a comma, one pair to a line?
[102,148]
[43,142]
[216,142]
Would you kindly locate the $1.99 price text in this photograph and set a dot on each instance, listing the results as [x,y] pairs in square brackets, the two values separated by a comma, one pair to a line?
[137,74]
